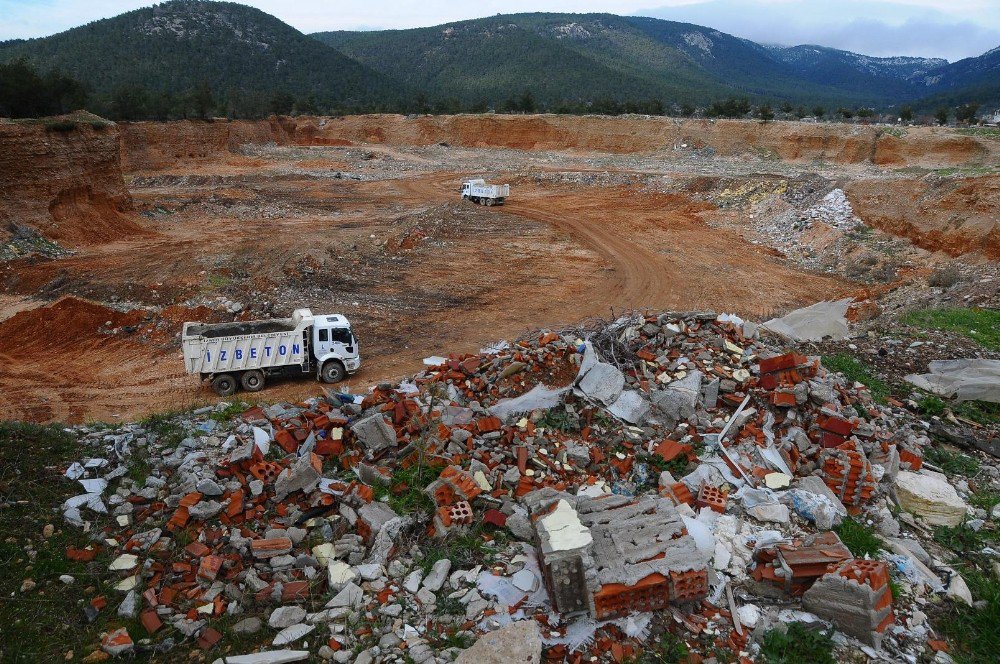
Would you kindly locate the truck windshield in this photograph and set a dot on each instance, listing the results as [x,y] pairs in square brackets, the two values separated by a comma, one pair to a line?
[341,334]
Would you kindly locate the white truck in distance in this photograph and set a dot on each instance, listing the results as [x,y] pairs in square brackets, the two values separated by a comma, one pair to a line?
[245,353]
[478,191]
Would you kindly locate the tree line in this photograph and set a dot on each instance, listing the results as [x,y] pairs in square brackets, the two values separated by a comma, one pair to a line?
[26,92]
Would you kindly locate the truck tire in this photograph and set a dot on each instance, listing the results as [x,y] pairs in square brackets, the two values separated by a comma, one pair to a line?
[333,372]
[489,202]
[225,385]
[253,380]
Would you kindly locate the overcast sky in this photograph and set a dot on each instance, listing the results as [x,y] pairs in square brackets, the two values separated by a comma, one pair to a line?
[951,29]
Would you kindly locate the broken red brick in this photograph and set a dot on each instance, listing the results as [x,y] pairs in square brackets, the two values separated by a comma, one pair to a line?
[209,568]
[208,638]
[712,498]
[150,621]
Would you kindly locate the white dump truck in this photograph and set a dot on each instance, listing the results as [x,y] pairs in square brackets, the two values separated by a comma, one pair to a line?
[244,353]
[478,191]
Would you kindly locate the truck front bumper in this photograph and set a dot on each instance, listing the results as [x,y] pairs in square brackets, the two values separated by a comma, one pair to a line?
[352,366]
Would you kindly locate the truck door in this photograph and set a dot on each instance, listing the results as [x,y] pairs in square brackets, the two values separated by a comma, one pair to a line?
[322,342]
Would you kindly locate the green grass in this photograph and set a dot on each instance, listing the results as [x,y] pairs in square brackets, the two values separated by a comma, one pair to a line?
[43,624]
[165,428]
[405,493]
[972,632]
[559,419]
[984,499]
[980,412]
[981,325]
[964,540]
[983,132]
[234,409]
[858,538]
[797,645]
[670,649]
[952,463]
[931,406]
[855,371]
[464,549]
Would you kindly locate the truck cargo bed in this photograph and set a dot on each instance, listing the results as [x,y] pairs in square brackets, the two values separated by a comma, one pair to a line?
[216,330]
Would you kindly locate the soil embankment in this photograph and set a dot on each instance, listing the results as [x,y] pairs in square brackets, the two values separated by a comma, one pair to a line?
[790,141]
[63,180]
[162,145]
[953,215]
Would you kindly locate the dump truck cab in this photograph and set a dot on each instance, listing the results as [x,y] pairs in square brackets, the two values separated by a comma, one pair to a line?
[333,340]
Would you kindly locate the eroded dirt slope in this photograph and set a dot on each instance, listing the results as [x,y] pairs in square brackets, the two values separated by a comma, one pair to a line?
[63,180]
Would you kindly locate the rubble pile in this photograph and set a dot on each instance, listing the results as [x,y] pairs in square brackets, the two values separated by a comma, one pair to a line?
[592,487]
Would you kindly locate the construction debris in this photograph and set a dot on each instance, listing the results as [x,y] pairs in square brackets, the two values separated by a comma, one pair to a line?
[599,478]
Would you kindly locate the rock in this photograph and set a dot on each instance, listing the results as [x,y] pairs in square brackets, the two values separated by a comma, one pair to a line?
[28,585]
[205,509]
[209,487]
[292,633]
[749,615]
[248,626]
[413,579]
[773,512]
[958,590]
[285,616]
[930,496]
[519,641]
[439,572]
[48,530]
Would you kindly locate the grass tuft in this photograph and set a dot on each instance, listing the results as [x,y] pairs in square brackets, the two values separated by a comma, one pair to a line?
[855,371]
[972,632]
[952,463]
[797,644]
[858,538]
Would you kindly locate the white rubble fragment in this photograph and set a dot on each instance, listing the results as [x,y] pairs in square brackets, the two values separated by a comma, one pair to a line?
[929,495]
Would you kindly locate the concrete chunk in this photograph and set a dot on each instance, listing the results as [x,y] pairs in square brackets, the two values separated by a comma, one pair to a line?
[374,433]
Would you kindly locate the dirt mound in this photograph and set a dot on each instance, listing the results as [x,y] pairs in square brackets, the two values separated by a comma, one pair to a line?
[64,180]
[791,141]
[159,145]
[953,215]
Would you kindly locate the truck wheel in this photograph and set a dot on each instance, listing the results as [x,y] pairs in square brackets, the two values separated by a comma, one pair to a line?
[489,202]
[253,380]
[224,385]
[333,372]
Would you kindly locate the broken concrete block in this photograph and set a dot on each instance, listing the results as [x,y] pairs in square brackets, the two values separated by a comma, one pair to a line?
[631,407]
[929,495]
[292,634]
[856,598]
[374,433]
[302,476]
[680,398]
[519,641]
[598,380]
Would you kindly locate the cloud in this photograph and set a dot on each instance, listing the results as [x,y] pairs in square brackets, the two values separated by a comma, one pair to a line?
[914,27]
